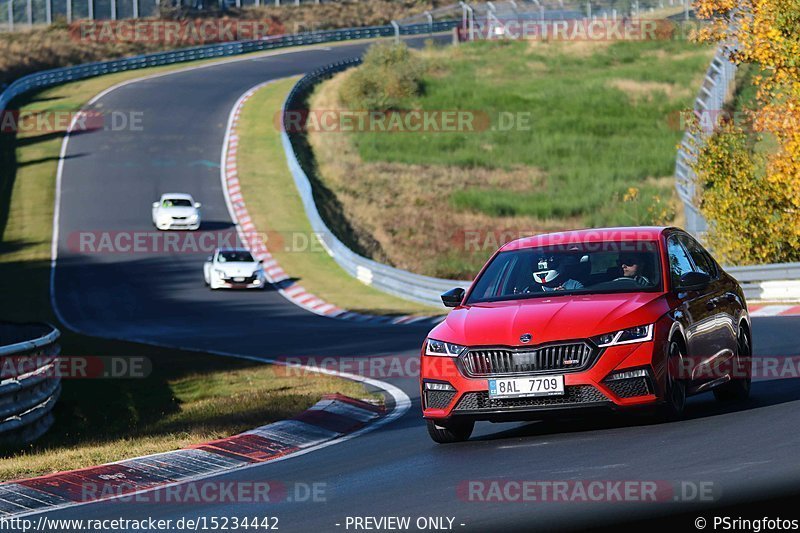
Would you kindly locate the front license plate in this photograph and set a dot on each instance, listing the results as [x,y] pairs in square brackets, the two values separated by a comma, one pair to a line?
[238,280]
[525,387]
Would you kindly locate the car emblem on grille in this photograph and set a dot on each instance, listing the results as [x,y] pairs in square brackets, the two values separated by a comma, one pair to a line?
[525,338]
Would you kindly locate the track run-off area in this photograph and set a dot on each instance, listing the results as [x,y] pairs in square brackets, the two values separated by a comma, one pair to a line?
[108,181]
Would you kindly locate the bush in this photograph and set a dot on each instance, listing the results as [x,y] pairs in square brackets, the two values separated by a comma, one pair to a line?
[389,77]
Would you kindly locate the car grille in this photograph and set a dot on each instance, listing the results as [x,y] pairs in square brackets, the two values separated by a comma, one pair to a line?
[574,395]
[245,279]
[484,362]
[179,218]
[438,399]
[628,388]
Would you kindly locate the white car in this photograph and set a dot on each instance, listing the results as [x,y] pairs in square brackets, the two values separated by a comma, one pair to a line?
[176,211]
[233,268]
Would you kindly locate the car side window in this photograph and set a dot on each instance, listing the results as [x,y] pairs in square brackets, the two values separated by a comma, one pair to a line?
[702,261]
[679,262]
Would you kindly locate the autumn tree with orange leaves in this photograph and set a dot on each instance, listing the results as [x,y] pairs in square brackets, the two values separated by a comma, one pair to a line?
[751,197]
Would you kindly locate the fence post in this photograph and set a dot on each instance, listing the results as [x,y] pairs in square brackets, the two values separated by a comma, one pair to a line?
[135,6]
[69,11]
[29,11]
[90,7]
[10,15]
[48,11]
[113,9]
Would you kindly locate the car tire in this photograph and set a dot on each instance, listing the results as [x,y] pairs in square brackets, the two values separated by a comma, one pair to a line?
[675,388]
[450,432]
[739,389]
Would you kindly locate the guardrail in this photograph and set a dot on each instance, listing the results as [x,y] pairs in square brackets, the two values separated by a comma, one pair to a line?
[49,78]
[395,281]
[716,86]
[29,382]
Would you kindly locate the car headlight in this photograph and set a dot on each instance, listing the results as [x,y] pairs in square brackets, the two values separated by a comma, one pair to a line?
[625,336]
[443,349]
[194,218]
[219,273]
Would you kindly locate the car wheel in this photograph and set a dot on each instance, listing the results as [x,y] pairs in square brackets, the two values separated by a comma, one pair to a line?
[739,388]
[675,389]
[449,432]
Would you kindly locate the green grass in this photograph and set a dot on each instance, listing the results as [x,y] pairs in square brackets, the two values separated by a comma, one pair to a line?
[273,203]
[189,397]
[592,138]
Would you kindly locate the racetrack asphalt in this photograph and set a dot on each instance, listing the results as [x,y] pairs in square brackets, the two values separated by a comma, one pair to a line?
[110,179]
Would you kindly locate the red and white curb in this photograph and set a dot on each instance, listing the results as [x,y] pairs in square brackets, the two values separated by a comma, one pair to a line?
[249,235]
[330,419]
[774,310]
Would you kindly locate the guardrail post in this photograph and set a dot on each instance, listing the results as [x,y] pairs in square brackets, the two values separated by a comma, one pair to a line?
[396,27]
[29,12]
[468,17]
[135,6]
[90,8]
[48,11]
[69,11]
[430,21]
[113,9]
[10,15]
[588,10]
[686,10]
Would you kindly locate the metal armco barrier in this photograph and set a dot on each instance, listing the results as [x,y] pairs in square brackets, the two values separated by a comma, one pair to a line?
[50,78]
[715,88]
[29,381]
[395,281]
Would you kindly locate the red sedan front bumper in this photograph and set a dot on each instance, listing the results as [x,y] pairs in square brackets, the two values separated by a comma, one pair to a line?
[589,388]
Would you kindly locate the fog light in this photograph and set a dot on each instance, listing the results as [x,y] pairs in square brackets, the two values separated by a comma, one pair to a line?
[628,374]
[430,385]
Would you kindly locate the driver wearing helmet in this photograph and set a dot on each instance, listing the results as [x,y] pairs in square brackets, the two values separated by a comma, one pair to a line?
[550,274]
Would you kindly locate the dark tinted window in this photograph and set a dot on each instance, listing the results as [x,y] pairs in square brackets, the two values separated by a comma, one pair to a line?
[628,266]
[702,261]
[679,262]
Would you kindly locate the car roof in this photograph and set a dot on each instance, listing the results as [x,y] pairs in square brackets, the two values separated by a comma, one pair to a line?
[176,196]
[632,233]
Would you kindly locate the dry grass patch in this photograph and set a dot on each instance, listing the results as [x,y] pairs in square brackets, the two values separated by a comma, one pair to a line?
[638,91]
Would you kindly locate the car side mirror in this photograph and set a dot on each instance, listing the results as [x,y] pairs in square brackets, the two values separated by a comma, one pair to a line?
[209,259]
[197,205]
[453,297]
[155,204]
[694,281]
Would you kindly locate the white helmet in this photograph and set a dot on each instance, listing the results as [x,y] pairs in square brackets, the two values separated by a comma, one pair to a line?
[547,269]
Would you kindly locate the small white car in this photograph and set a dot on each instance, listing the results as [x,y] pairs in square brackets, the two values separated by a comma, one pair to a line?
[176,211]
[234,268]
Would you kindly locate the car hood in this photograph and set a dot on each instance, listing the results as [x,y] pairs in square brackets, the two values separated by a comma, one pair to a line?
[549,319]
[178,211]
[237,269]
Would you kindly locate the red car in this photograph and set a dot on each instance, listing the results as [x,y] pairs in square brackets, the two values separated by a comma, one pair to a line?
[617,318]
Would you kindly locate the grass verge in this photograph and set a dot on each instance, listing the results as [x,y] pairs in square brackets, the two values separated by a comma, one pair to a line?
[579,134]
[188,397]
[275,206]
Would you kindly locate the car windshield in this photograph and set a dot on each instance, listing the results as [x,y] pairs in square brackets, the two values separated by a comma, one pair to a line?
[176,202]
[605,267]
[235,257]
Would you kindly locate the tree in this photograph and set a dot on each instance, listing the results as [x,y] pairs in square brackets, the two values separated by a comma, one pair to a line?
[752,201]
